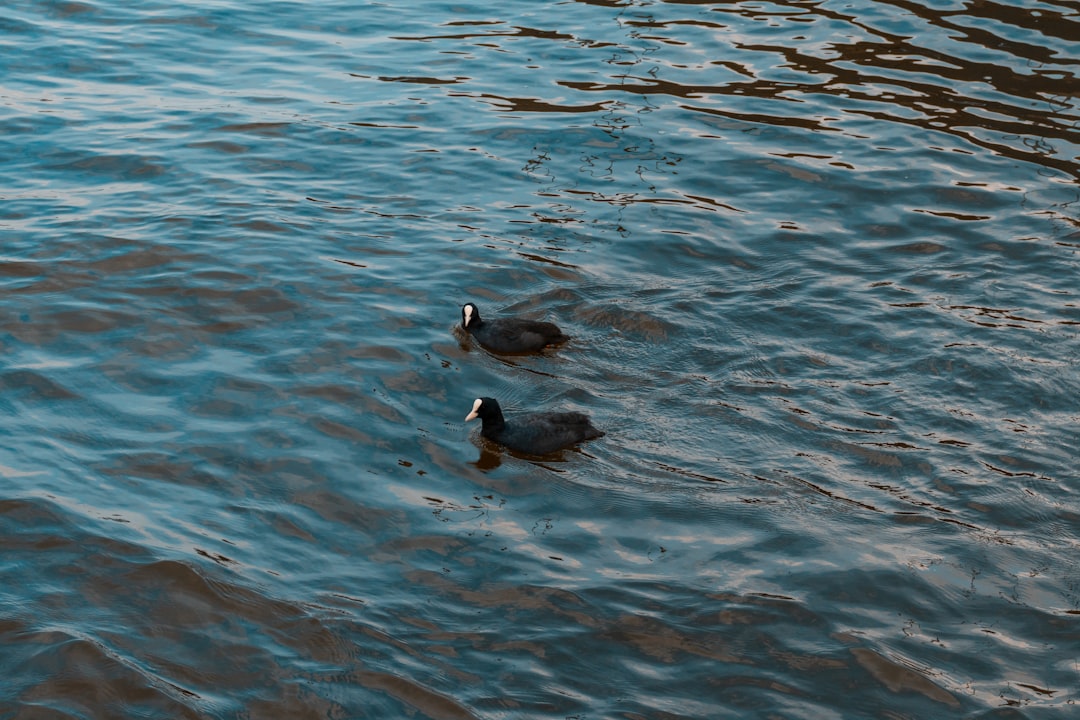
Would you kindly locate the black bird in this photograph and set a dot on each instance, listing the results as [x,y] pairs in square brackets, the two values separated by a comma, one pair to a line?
[536,433]
[510,335]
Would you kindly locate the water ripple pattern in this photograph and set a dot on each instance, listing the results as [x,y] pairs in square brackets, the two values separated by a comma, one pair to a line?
[819,264]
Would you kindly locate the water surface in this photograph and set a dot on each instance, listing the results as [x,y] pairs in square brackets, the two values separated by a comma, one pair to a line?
[819,262]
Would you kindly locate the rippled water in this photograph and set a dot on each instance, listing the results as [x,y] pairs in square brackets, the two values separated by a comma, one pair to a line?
[819,260]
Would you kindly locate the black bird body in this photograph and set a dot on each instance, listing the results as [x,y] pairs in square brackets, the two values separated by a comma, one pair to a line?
[535,433]
[510,335]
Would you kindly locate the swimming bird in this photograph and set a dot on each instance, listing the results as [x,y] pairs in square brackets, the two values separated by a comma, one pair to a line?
[535,433]
[510,335]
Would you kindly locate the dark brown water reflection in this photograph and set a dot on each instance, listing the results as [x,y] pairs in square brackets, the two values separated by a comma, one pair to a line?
[819,265]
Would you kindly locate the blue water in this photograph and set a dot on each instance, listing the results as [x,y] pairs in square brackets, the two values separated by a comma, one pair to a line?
[819,261]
